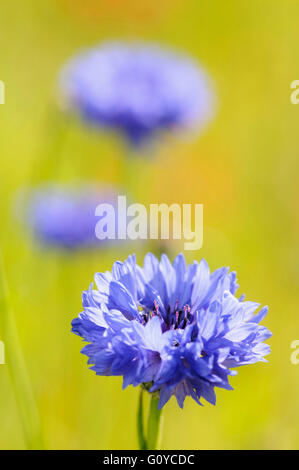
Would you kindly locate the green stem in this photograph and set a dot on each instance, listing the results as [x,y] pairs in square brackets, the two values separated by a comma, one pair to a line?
[135,173]
[141,438]
[48,159]
[154,424]
[17,368]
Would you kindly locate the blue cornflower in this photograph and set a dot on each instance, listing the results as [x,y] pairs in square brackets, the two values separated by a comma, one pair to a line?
[175,329]
[64,216]
[137,89]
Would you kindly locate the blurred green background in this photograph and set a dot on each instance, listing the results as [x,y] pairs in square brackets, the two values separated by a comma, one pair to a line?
[244,169]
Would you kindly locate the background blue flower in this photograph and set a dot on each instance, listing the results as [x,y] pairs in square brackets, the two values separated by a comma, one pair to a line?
[176,329]
[64,215]
[137,89]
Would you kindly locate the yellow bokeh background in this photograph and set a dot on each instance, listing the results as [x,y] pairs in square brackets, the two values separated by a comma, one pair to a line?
[244,169]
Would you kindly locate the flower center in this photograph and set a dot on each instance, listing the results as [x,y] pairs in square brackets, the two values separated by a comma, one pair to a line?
[173,319]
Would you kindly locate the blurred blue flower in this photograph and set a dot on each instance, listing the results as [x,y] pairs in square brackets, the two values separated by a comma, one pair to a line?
[64,216]
[137,89]
[176,329]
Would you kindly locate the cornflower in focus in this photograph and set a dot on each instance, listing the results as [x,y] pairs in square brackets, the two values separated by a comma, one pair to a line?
[174,329]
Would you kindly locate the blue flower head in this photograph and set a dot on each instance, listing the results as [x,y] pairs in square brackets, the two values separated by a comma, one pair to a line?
[137,89]
[64,216]
[175,329]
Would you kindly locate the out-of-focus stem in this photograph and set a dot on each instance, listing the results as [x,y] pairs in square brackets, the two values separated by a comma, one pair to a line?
[17,368]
